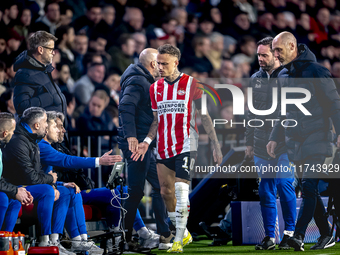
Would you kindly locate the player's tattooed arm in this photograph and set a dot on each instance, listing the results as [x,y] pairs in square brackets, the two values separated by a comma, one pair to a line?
[209,128]
[154,126]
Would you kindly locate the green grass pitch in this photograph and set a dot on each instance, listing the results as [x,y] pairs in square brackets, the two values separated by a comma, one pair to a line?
[201,248]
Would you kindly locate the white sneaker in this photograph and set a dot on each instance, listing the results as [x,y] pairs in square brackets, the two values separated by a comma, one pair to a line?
[89,246]
[94,249]
[62,250]
[152,242]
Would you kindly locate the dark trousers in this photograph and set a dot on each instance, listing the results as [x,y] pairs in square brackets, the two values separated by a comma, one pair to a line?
[312,205]
[138,172]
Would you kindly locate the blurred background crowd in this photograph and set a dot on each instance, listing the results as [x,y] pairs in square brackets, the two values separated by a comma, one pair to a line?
[98,40]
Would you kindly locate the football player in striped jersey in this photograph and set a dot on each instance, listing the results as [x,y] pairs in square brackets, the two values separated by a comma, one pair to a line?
[175,100]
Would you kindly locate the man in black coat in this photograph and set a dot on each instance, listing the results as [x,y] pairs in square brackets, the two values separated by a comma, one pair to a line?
[22,152]
[309,137]
[263,83]
[33,83]
[135,118]
[11,196]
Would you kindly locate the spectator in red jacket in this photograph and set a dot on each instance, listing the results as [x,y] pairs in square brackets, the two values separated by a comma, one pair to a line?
[320,25]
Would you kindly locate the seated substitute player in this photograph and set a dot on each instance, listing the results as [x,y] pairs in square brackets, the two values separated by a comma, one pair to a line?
[175,99]
[75,217]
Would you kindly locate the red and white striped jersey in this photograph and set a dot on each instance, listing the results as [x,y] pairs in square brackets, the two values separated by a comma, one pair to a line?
[177,131]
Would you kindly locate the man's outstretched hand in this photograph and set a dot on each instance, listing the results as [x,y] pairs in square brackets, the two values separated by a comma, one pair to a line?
[109,160]
[141,150]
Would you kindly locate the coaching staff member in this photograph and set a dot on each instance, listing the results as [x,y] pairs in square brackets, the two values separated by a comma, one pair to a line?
[33,83]
[310,141]
[257,138]
[135,118]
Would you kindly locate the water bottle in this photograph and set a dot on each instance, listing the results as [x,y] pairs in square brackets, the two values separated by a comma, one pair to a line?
[21,238]
[15,242]
[4,242]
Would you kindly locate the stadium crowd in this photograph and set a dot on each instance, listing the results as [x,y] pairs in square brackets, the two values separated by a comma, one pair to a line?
[98,40]
[92,45]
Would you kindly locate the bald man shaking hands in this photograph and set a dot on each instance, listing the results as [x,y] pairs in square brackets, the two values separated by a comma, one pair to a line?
[310,141]
[135,118]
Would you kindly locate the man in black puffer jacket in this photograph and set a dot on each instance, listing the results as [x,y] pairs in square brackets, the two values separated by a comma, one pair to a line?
[135,118]
[257,138]
[33,83]
[309,142]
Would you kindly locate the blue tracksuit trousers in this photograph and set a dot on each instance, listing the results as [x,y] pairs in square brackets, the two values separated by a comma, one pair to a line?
[75,218]
[271,182]
[60,209]
[43,195]
[9,211]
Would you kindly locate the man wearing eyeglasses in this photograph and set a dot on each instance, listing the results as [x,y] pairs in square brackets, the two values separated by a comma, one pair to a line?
[33,83]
